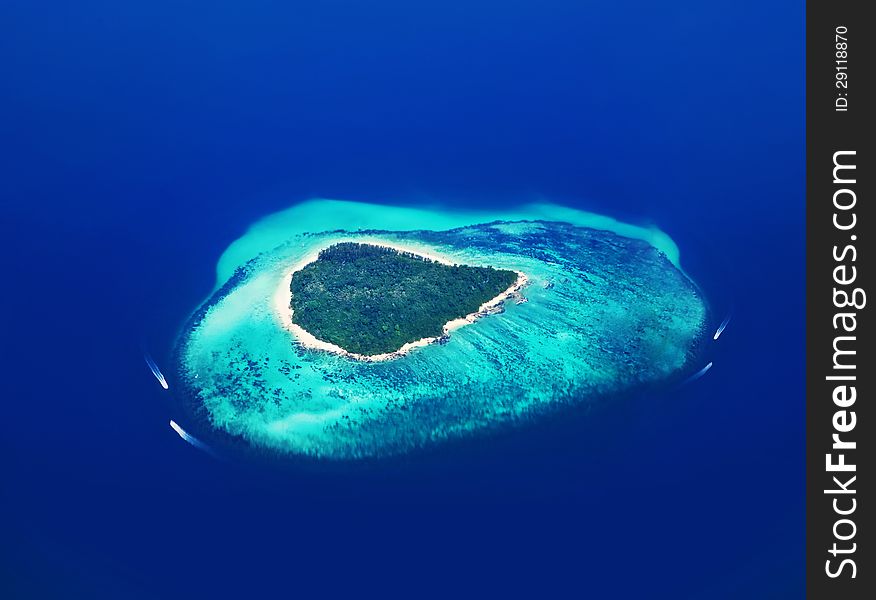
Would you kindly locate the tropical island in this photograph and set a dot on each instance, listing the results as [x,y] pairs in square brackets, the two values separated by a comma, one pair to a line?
[373,300]
[608,312]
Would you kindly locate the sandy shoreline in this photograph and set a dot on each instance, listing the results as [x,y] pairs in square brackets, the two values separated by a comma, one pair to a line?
[283,298]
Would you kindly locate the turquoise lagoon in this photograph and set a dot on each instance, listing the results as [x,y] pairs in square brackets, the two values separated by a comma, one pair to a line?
[608,310]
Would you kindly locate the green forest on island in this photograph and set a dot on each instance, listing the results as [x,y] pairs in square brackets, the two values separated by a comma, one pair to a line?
[371,300]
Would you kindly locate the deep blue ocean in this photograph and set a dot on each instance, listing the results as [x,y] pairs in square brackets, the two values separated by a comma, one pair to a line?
[140,138]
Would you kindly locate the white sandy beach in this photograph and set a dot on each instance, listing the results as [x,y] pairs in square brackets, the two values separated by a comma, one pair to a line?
[283,298]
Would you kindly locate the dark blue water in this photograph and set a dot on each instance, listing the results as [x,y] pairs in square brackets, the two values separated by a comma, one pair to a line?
[140,138]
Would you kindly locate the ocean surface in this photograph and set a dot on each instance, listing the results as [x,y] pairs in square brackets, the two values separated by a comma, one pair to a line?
[141,139]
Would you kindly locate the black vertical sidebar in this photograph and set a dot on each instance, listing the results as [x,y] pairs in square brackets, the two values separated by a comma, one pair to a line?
[840,370]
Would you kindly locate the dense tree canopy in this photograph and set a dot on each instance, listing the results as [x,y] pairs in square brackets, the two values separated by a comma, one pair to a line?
[371,300]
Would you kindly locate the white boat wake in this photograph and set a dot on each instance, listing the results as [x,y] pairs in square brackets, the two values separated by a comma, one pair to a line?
[190,438]
[698,374]
[722,326]
[155,370]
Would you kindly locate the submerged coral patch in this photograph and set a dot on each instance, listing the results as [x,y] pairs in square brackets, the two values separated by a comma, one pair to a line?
[605,308]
